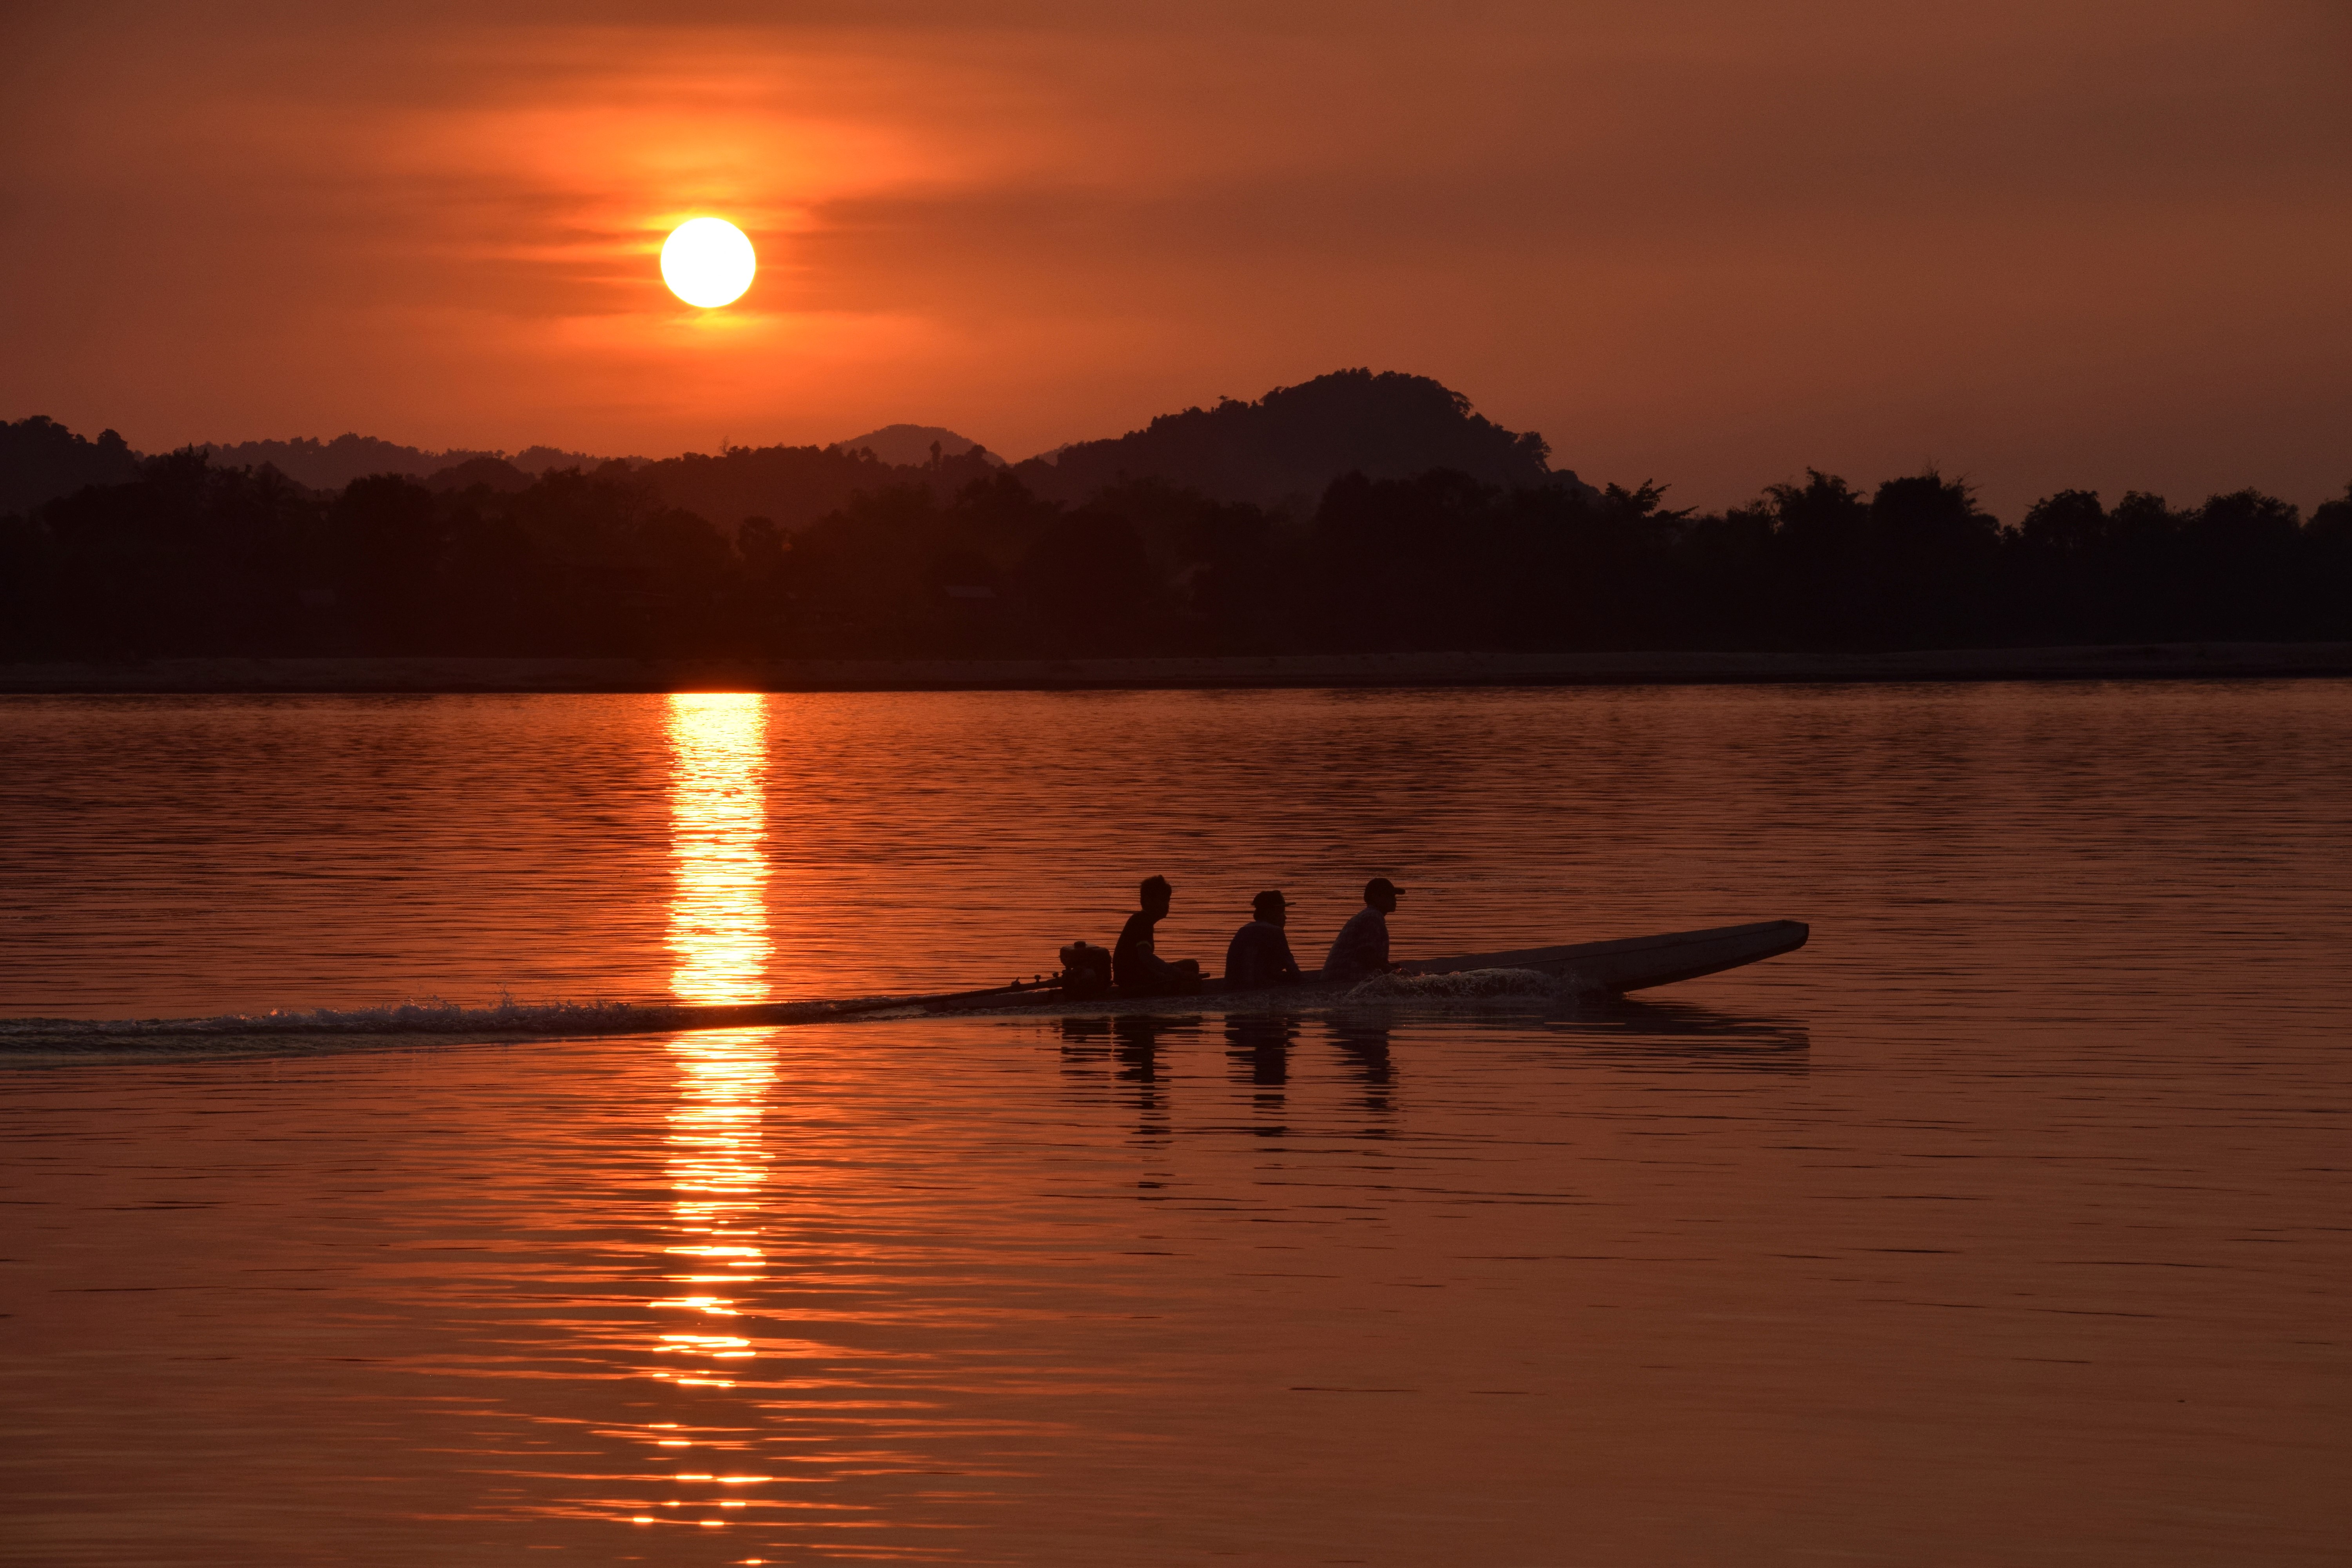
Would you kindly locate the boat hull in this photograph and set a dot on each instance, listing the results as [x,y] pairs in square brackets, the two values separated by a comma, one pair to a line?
[1630,964]
[1600,968]
[1639,962]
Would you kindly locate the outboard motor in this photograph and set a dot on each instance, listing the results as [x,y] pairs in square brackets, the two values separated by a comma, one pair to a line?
[1085,969]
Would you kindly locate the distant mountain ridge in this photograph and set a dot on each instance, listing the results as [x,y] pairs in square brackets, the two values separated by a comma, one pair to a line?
[1281,451]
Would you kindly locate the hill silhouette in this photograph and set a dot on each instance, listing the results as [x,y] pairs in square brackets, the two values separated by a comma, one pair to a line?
[41,459]
[1285,448]
[909,446]
[1282,450]
[493,473]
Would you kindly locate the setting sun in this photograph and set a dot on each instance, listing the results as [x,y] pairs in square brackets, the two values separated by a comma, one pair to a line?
[708,261]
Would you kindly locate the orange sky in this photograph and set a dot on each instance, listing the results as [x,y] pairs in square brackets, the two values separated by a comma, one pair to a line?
[2041,244]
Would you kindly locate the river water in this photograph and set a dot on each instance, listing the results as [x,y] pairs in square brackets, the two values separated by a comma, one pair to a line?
[2009,1221]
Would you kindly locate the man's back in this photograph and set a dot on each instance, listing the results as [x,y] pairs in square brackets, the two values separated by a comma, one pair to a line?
[1361,947]
[1259,955]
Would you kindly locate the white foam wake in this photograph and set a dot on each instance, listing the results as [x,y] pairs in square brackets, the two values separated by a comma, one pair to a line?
[431,1015]
[1463,985]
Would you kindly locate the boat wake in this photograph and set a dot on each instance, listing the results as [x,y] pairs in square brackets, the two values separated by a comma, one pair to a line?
[452,1023]
[1464,985]
[432,1018]
[428,1017]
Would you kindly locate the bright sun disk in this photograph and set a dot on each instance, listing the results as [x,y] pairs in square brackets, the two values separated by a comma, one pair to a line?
[708,261]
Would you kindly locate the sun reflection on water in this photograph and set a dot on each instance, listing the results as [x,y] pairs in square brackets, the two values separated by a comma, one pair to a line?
[720,949]
[717,804]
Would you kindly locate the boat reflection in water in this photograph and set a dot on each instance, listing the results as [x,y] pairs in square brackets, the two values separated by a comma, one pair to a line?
[1132,1045]
[718,1162]
[1258,1049]
[1363,1045]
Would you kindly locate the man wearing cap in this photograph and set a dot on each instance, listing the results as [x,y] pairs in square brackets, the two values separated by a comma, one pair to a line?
[1260,953]
[1362,946]
[1134,966]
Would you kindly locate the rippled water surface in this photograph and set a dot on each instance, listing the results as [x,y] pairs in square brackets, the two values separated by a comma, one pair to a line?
[2008,1222]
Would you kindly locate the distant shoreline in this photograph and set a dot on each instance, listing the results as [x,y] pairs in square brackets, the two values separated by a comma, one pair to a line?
[2137,661]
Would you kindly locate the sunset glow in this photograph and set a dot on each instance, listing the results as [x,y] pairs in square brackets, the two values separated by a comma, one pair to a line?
[709,262]
[1052,227]
[1309,783]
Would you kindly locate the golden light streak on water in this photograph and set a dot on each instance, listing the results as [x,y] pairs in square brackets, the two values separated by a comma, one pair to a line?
[720,949]
[718,802]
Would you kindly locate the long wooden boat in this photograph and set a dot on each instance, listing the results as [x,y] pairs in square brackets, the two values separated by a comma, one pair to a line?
[1600,968]
[1595,968]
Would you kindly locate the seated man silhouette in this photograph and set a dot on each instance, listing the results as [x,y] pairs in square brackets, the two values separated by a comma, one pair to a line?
[1260,952]
[1134,966]
[1361,948]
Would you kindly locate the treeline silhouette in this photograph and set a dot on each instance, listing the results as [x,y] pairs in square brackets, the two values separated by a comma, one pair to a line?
[331,465]
[188,558]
